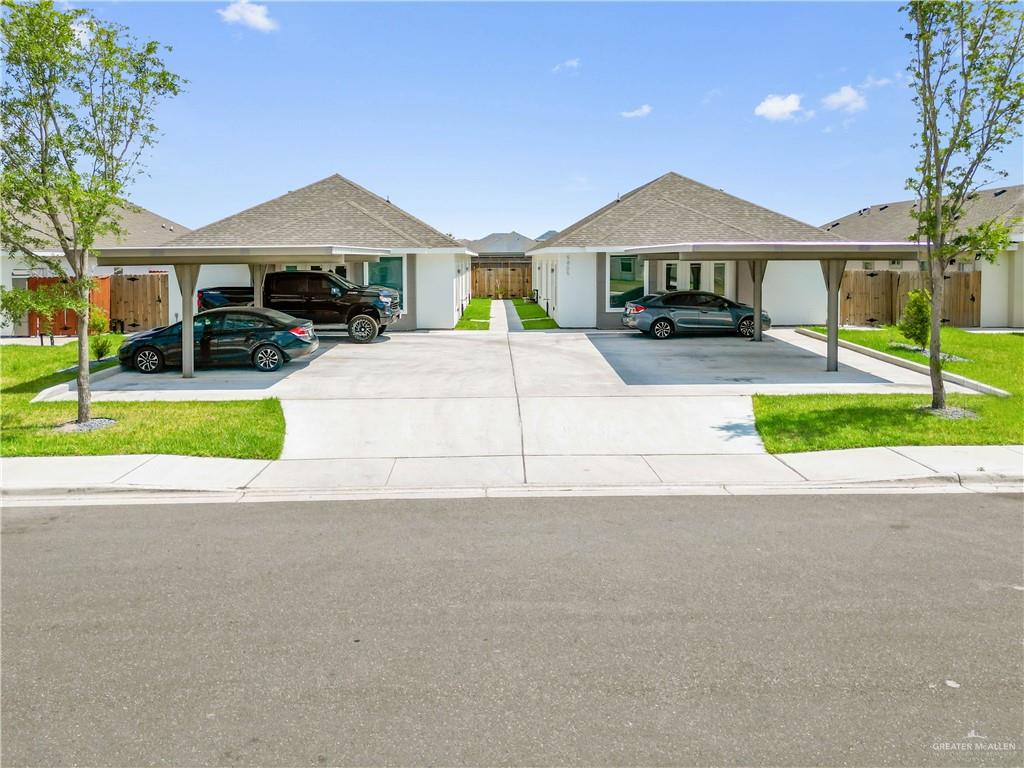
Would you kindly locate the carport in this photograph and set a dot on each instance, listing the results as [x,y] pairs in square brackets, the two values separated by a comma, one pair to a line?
[831,255]
[188,260]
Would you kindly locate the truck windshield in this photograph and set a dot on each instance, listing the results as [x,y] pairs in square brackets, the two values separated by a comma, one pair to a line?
[348,285]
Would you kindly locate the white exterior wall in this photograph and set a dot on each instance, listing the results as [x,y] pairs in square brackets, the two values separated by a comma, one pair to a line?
[794,293]
[576,275]
[437,302]
[1016,287]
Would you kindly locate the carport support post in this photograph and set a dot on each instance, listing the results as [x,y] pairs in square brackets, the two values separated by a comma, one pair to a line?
[257,274]
[757,268]
[832,270]
[188,276]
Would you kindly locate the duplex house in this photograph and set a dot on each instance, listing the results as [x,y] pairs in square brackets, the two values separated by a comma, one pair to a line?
[1002,281]
[585,274]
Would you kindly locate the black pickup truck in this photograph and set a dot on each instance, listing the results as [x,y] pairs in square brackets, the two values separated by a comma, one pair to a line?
[322,297]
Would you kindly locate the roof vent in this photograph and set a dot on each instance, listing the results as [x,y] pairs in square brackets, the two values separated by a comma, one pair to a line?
[998,193]
[387,199]
[834,225]
[882,208]
[171,228]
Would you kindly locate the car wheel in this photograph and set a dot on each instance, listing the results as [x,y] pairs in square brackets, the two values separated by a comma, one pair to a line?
[363,329]
[148,360]
[267,357]
[661,329]
[746,327]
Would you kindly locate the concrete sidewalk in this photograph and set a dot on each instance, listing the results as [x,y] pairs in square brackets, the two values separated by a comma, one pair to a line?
[958,467]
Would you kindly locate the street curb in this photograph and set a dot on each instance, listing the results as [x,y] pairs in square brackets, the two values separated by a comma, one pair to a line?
[67,386]
[150,494]
[910,365]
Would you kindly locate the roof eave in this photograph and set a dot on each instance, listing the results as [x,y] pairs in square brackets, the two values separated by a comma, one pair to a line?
[230,254]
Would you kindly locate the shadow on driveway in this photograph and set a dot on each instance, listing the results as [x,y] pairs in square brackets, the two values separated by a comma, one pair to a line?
[719,359]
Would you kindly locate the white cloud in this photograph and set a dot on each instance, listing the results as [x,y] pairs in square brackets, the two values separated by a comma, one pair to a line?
[642,111]
[847,98]
[569,65]
[875,82]
[252,15]
[775,107]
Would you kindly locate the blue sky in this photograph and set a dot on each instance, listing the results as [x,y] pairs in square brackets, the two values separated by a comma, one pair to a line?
[528,116]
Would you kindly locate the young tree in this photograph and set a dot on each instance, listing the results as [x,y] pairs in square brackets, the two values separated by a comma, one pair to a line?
[968,81]
[78,102]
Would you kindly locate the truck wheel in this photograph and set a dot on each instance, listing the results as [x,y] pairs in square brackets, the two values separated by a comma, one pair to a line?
[363,329]
[148,360]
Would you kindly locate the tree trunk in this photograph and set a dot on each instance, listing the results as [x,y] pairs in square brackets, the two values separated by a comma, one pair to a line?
[938,271]
[84,393]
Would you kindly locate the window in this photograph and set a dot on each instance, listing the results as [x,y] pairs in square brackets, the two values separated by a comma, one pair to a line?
[705,300]
[720,279]
[679,300]
[291,282]
[238,321]
[671,277]
[389,272]
[623,284]
[867,264]
[898,263]
[695,277]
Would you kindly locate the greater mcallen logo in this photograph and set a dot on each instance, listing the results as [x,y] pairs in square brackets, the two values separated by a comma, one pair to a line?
[975,742]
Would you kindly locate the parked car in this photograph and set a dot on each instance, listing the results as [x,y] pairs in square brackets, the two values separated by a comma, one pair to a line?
[322,297]
[662,315]
[264,338]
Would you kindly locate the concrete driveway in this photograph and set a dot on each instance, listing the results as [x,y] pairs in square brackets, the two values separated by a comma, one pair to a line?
[485,408]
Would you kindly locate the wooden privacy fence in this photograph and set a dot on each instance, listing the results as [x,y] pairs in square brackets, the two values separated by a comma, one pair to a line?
[138,302]
[65,322]
[878,297]
[502,280]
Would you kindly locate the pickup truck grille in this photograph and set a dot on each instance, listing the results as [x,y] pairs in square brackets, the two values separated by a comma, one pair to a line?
[396,304]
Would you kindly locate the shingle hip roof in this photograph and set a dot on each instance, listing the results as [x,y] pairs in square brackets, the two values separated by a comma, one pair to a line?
[332,211]
[502,242]
[892,221]
[139,228]
[675,209]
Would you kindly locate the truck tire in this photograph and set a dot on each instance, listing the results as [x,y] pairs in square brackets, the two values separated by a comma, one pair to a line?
[363,329]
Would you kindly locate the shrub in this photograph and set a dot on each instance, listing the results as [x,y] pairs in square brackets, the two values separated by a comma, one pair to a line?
[917,317]
[101,345]
[99,323]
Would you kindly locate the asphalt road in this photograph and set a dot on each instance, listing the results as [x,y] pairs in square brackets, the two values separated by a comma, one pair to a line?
[839,630]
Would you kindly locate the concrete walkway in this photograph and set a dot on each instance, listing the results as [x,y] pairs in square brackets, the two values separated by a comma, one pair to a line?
[956,468]
[512,317]
[499,317]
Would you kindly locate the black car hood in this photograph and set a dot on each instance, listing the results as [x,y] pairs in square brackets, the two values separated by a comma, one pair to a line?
[378,290]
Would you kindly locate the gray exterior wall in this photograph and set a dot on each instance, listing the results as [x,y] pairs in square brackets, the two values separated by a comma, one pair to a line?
[605,320]
[408,321]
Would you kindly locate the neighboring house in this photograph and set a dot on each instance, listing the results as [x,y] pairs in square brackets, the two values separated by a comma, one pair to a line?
[1002,282]
[501,266]
[140,227]
[584,277]
[430,270]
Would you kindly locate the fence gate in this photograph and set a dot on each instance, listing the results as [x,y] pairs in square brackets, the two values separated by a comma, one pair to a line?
[138,302]
[879,297]
[65,322]
[502,279]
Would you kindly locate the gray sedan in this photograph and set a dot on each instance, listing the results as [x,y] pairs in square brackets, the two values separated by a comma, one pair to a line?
[662,315]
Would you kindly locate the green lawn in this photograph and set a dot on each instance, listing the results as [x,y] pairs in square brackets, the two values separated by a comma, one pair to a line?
[823,422]
[250,429]
[477,316]
[533,315]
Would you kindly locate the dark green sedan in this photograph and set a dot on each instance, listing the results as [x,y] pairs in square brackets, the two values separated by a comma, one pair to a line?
[264,338]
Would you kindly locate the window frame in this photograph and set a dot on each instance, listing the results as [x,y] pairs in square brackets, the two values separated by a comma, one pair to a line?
[405,277]
[608,280]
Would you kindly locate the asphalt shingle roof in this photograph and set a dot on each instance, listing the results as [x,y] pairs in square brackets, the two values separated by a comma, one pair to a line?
[332,211]
[891,222]
[502,242]
[140,228]
[675,209]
